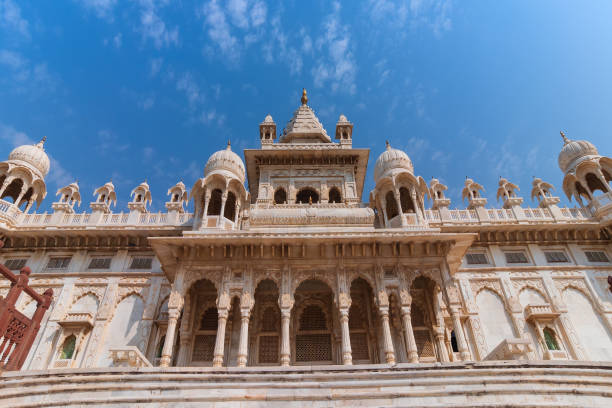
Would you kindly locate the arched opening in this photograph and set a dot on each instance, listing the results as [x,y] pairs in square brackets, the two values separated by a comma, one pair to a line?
[280,196]
[138,198]
[423,316]
[453,340]
[230,207]
[334,195]
[550,338]
[68,348]
[307,196]
[102,198]
[13,190]
[606,175]
[582,191]
[312,323]
[391,205]
[595,184]
[495,321]
[175,198]
[214,206]
[361,326]
[202,319]
[406,200]
[160,347]
[266,323]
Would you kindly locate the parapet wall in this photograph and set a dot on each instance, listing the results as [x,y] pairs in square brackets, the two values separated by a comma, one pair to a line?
[491,384]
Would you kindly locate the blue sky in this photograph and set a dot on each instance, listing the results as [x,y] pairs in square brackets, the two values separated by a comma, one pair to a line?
[148,89]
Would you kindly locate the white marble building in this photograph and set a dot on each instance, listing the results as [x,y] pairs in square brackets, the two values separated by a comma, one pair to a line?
[301,270]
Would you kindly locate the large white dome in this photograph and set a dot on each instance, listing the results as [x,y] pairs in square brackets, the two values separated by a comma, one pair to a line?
[389,160]
[225,160]
[575,151]
[34,155]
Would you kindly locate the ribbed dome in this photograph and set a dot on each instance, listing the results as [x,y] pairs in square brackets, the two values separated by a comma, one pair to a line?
[268,119]
[389,160]
[34,155]
[573,152]
[225,160]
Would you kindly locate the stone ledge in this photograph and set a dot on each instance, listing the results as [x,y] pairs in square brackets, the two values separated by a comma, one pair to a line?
[500,383]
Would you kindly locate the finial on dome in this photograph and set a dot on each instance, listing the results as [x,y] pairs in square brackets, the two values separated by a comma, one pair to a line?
[565,139]
[304,97]
[388,145]
[229,145]
[42,142]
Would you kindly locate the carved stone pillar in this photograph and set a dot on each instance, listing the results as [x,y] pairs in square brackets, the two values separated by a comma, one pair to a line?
[439,333]
[285,352]
[166,358]
[206,202]
[464,351]
[387,341]
[223,200]
[413,355]
[220,340]
[243,347]
[347,353]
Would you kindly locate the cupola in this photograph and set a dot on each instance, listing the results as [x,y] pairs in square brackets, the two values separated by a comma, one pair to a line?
[226,163]
[390,162]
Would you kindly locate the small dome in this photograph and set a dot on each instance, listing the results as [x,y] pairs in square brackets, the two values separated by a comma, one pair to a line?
[33,155]
[573,152]
[225,160]
[268,119]
[389,160]
[342,118]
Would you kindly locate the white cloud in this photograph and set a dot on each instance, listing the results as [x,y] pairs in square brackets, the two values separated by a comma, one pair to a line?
[156,64]
[102,8]
[11,59]
[154,28]
[187,84]
[147,152]
[219,30]
[58,175]
[10,18]
[109,142]
[146,103]
[434,14]
[338,67]
[237,10]
[117,40]
[259,12]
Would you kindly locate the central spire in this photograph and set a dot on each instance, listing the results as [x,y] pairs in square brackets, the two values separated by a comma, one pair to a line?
[304,97]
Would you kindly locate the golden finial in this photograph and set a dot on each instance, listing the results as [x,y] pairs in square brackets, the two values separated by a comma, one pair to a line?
[42,142]
[304,97]
[229,145]
[565,139]
[387,144]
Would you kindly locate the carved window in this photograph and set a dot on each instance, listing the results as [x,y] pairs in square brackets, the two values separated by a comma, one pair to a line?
[139,262]
[391,205]
[210,319]
[313,341]
[214,205]
[596,256]
[555,257]
[67,351]
[358,333]
[230,207]
[268,349]
[453,340]
[406,200]
[100,263]
[204,340]
[551,339]
[280,196]
[15,264]
[334,195]
[59,262]
[307,196]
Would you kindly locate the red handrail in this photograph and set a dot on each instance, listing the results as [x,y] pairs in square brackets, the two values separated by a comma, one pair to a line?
[17,331]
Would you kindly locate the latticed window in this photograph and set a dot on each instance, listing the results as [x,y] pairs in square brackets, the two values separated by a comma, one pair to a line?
[313,341]
[555,256]
[15,264]
[516,257]
[417,316]
[210,319]
[356,318]
[268,349]
[203,347]
[141,262]
[476,259]
[596,256]
[551,339]
[269,320]
[100,263]
[58,263]
[312,318]
[425,347]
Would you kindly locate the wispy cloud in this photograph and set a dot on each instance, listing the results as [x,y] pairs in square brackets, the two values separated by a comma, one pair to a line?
[156,65]
[10,18]
[152,27]
[435,14]
[102,8]
[25,76]
[338,67]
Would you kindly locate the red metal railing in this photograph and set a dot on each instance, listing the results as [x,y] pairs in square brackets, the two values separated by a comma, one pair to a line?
[17,331]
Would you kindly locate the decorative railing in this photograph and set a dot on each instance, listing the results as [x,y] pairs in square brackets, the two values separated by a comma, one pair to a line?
[112,219]
[128,356]
[17,331]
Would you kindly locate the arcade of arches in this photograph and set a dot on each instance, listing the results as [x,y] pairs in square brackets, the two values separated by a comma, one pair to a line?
[318,326]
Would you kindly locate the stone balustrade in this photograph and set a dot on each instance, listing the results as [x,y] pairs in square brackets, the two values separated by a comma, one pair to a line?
[128,356]
[540,312]
[511,349]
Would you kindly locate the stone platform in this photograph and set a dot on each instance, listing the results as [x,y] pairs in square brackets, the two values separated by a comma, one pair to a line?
[497,384]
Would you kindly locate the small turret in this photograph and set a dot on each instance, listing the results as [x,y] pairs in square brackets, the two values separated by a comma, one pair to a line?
[105,197]
[472,191]
[69,196]
[344,132]
[507,193]
[141,197]
[267,131]
[178,198]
